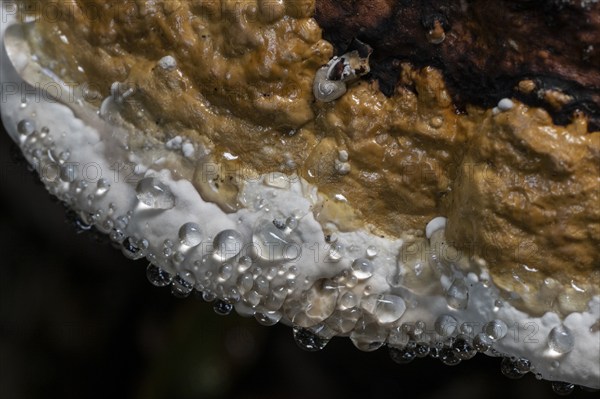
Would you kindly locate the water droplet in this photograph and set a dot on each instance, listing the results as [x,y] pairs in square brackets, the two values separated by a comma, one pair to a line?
[222,308]
[117,235]
[308,340]
[64,156]
[180,287]
[389,308]
[348,300]
[512,368]
[449,357]
[402,355]
[268,318]
[320,301]
[261,285]
[208,296]
[227,244]
[225,272]
[495,329]
[68,172]
[245,282]
[362,268]
[371,251]
[445,325]
[463,348]
[458,295]
[562,388]
[368,335]
[291,223]
[244,263]
[25,127]
[157,276]
[133,248]
[422,349]
[336,252]
[398,337]
[190,234]
[155,194]
[102,186]
[561,339]
[482,343]
[273,245]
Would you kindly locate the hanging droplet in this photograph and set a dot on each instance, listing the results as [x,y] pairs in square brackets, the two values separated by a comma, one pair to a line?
[422,349]
[368,335]
[561,339]
[482,343]
[222,308]
[268,318]
[449,357]
[190,234]
[308,340]
[155,194]
[463,348]
[362,268]
[157,276]
[562,388]
[133,248]
[458,295]
[512,368]
[180,287]
[403,355]
[227,244]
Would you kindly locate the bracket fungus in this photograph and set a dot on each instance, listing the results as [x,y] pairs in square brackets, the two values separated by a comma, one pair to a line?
[414,218]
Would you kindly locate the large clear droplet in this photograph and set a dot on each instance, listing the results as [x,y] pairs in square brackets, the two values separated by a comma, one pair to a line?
[155,194]
[157,276]
[308,340]
[227,244]
[362,268]
[389,308]
[561,339]
[458,295]
[368,335]
[190,234]
[495,329]
[272,244]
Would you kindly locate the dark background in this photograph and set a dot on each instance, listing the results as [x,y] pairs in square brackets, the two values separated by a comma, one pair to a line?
[79,320]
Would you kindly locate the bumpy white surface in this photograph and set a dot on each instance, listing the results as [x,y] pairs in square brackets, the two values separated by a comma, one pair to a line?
[386,303]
